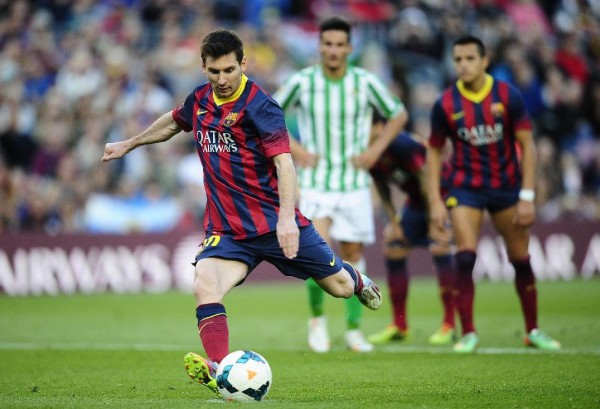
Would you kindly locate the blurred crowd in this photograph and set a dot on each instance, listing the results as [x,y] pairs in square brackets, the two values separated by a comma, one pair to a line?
[77,74]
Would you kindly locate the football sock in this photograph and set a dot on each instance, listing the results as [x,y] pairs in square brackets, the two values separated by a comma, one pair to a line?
[397,280]
[355,275]
[315,297]
[213,330]
[465,261]
[445,275]
[525,285]
[354,308]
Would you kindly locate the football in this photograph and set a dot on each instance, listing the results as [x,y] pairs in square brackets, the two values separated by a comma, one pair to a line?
[244,376]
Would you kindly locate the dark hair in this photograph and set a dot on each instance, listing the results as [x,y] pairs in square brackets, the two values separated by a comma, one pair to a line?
[335,23]
[469,39]
[222,42]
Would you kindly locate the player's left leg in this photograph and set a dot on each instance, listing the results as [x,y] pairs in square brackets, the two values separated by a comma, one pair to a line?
[516,240]
[210,286]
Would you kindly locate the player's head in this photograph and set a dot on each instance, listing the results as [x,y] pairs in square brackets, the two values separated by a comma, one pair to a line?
[222,42]
[223,61]
[334,42]
[470,59]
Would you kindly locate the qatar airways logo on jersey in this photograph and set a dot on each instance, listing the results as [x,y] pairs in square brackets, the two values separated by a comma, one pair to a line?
[482,134]
[212,141]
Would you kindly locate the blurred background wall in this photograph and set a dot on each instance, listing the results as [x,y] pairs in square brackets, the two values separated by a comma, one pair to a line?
[75,75]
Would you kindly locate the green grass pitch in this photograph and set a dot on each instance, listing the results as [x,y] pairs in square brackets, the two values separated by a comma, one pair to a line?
[126,351]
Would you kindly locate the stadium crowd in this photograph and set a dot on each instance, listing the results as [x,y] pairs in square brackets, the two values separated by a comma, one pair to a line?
[77,74]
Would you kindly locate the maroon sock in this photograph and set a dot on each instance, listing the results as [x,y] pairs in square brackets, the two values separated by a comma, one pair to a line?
[397,279]
[213,330]
[525,285]
[445,275]
[465,261]
[356,277]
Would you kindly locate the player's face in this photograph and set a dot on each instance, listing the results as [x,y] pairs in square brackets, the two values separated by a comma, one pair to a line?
[224,73]
[334,48]
[470,66]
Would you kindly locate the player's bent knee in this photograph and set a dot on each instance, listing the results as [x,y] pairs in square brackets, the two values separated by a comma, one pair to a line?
[206,287]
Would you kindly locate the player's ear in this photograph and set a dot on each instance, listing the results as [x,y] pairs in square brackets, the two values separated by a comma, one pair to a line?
[243,64]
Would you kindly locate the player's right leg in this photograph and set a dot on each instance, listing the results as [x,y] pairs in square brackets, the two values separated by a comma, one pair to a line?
[466,225]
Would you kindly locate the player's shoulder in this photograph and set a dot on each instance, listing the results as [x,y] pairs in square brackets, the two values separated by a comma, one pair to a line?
[363,73]
[505,86]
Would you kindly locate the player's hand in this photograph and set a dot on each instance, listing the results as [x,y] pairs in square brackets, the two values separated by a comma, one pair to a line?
[366,160]
[288,236]
[305,159]
[524,214]
[115,150]
[439,222]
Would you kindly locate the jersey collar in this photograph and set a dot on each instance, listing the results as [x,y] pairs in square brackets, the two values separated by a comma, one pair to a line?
[236,94]
[480,95]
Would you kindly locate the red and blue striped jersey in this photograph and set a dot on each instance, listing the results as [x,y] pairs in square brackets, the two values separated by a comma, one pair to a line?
[482,128]
[236,138]
[401,163]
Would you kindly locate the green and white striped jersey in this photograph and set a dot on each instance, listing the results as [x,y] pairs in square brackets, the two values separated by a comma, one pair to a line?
[334,121]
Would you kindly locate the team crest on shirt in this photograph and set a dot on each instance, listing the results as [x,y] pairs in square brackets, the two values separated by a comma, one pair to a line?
[497,109]
[230,118]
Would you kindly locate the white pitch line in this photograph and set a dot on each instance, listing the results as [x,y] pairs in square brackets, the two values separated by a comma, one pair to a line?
[99,346]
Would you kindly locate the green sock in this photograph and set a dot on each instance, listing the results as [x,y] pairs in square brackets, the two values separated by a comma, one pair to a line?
[354,308]
[315,297]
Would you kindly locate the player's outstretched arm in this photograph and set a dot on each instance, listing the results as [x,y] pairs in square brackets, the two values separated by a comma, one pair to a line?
[164,128]
[390,130]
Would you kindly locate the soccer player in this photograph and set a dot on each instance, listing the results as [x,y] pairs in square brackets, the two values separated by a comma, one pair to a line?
[249,178]
[403,165]
[492,168]
[334,103]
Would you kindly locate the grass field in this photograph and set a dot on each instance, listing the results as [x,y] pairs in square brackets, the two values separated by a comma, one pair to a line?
[125,351]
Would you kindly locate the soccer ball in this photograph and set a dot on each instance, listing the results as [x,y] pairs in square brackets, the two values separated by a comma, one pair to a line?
[244,376]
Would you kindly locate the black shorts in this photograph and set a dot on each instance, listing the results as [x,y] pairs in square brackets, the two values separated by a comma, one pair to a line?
[493,200]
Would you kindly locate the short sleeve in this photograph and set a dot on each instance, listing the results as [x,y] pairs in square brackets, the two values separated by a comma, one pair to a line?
[183,114]
[270,124]
[518,112]
[439,126]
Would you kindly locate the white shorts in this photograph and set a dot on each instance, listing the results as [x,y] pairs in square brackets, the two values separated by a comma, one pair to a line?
[351,213]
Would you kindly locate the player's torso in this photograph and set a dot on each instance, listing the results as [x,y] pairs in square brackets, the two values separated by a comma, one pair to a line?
[400,164]
[334,120]
[482,135]
[238,177]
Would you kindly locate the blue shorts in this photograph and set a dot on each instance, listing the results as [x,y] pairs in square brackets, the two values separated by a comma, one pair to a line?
[494,200]
[315,258]
[415,226]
